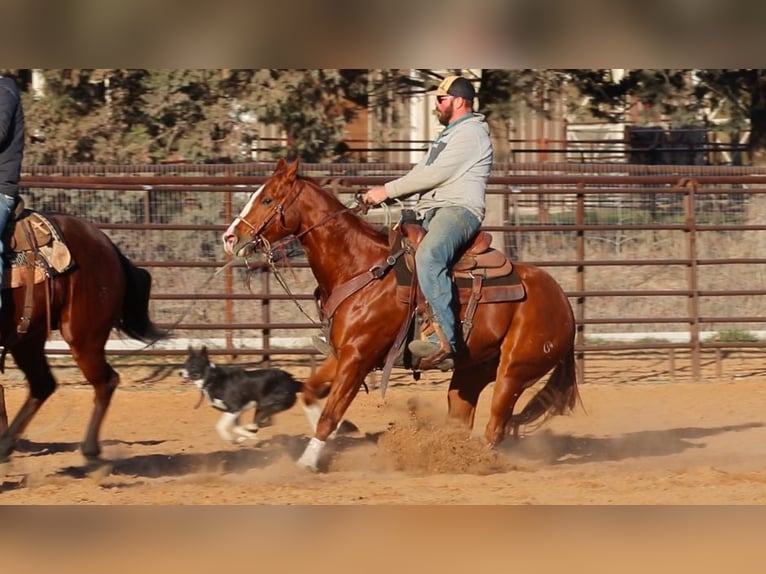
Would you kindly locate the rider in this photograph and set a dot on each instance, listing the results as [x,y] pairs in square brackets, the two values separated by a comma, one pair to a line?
[451,180]
[11,154]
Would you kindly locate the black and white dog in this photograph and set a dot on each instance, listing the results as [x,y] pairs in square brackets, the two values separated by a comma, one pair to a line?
[234,390]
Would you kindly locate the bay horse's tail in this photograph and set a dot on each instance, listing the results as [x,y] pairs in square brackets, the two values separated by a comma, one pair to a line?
[135,321]
[557,397]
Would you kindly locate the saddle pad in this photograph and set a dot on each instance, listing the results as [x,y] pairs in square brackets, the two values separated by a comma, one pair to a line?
[506,288]
[51,258]
[510,290]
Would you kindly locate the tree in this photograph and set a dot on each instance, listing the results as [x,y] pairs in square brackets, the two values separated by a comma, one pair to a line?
[310,105]
[136,116]
[68,119]
[688,97]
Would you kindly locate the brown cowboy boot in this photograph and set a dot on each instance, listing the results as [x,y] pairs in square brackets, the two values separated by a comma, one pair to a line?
[433,355]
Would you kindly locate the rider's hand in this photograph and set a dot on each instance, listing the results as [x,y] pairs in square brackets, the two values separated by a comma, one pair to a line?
[375,195]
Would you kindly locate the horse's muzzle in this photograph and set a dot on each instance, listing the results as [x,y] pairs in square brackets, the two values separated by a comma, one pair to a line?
[237,247]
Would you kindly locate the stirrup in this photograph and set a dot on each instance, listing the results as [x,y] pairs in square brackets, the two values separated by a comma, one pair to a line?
[320,344]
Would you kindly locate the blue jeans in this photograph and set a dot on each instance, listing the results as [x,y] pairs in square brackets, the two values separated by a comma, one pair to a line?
[449,230]
[7,204]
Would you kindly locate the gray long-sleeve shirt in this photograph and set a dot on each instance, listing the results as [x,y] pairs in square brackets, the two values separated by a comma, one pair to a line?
[454,171]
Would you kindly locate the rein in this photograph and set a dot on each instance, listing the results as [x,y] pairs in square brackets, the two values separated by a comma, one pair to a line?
[345,290]
[271,261]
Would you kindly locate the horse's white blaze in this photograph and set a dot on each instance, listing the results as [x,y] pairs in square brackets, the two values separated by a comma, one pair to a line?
[251,201]
[245,210]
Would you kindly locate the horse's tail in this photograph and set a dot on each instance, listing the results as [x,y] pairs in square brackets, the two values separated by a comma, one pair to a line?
[557,397]
[134,320]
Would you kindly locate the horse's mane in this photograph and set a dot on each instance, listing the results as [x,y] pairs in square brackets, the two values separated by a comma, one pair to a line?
[364,226]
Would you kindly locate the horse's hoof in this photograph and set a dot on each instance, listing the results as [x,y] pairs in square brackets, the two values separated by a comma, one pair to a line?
[100,471]
[311,467]
[310,457]
[96,467]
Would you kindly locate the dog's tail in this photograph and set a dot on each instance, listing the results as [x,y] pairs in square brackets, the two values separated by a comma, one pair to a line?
[320,392]
[297,386]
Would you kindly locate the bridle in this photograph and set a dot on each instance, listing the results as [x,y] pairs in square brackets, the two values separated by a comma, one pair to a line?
[256,233]
[343,291]
[277,210]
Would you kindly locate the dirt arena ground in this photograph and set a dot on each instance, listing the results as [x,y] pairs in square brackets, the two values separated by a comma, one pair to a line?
[637,440]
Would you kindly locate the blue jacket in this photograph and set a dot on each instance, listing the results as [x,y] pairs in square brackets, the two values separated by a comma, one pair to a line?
[11,136]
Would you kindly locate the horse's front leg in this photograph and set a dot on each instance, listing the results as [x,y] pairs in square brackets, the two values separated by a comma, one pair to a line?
[348,378]
[30,358]
[3,411]
[11,434]
[315,388]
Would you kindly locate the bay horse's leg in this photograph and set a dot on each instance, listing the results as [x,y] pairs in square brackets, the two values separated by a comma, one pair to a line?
[466,385]
[29,356]
[91,358]
[3,411]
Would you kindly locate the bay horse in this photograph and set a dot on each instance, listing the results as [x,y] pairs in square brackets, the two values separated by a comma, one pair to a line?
[512,343]
[101,291]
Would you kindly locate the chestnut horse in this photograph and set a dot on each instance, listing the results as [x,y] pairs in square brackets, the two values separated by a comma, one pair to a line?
[512,343]
[102,291]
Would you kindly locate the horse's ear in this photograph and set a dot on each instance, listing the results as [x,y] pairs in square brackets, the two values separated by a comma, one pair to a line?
[292,169]
[281,164]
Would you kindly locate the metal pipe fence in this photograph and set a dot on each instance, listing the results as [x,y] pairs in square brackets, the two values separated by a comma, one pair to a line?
[651,260]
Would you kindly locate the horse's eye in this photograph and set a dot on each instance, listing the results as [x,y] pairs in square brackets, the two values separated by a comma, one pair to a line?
[266,200]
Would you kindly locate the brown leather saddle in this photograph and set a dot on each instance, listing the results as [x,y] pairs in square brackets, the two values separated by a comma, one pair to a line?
[481,273]
[35,252]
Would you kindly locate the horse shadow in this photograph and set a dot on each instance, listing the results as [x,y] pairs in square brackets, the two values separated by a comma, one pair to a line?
[548,447]
[35,448]
[232,461]
[543,446]
[158,465]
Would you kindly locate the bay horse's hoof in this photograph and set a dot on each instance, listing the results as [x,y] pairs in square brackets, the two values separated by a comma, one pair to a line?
[99,471]
[6,449]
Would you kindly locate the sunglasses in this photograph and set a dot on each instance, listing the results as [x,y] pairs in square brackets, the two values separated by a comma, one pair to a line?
[440,99]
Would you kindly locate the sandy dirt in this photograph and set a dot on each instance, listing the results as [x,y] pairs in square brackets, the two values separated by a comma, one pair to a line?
[633,442]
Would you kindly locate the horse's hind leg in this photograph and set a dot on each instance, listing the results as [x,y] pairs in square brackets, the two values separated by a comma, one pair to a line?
[464,390]
[511,381]
[104,379]
[30,358]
